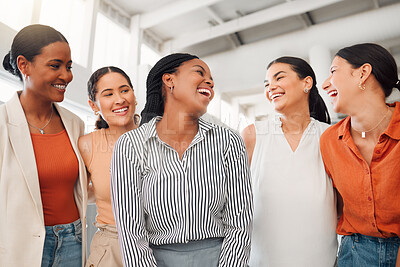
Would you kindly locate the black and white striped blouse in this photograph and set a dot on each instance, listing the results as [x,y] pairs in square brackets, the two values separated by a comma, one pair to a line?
[161,199]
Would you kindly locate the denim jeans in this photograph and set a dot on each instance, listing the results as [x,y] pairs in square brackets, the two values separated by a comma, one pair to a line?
[63,245]
[202,253]
[366,251]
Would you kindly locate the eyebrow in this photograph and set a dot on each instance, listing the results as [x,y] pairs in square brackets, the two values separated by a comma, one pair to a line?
[276,74]
[109,89]
[60,61]
[203,70]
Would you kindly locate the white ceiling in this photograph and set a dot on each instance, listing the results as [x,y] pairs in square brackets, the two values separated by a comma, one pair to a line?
[238,38]
[211,26]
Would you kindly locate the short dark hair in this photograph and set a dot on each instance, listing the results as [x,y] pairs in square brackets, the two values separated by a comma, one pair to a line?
[92,89]
[154,96]
[384,67]
[316,104]
[29,43]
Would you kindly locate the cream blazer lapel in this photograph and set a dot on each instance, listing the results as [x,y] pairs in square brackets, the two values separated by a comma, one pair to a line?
[21,142]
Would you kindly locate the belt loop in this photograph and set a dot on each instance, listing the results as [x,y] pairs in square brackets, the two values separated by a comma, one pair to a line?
[356,238]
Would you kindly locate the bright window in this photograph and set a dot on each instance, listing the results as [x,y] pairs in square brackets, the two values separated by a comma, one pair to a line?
[148,56]
[16,14]
[111,46]
[8,85]
[70,18]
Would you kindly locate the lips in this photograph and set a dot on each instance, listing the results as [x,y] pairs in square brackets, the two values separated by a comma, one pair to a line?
[205,92]
[60,87]
[333,93]
[120,110]
[275,96]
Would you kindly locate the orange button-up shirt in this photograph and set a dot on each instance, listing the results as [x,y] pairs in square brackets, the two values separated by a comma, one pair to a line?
[371,194]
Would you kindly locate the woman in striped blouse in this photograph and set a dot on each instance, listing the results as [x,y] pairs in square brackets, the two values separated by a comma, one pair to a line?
[180,186]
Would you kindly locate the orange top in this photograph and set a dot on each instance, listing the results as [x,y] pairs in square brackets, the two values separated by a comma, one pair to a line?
[58,170]
[99,168]
[371,194]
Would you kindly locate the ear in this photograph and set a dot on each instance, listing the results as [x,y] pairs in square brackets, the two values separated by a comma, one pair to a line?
[168,79]
[365,71]
[94,106]
[23,65]
[308,82]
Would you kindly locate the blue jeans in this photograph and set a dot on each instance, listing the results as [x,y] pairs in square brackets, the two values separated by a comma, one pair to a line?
[201,253]
[63,245]
[366,251]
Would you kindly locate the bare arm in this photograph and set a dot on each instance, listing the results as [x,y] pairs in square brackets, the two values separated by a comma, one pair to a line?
[249,138]
[398,258]
[85,147]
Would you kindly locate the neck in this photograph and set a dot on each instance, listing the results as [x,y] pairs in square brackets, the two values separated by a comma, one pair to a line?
[178,126]
[34,106]
[371,121]
[295,123]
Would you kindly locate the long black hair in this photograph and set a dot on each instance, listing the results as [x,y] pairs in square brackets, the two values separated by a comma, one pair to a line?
[384,67]
[155,98]
[92,90]
[316,104]
[29,43]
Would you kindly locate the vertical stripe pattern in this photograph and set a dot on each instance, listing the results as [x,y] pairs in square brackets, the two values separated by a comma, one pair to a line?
[161,199]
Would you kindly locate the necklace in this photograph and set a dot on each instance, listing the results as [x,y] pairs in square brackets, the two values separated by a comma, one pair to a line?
[373,128]
[41,129]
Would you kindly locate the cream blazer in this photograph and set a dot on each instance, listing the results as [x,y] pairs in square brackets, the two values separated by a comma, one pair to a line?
[22,230]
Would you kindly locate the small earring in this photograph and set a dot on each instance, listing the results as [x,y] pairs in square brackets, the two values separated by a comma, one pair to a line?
[361,86]
[306,90]
[96,113]
[172,88]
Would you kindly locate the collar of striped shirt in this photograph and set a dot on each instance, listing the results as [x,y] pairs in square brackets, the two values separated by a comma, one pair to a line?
[151,132]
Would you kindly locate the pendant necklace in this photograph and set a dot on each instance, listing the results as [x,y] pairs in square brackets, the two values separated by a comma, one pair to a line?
[364,132]
[41,129]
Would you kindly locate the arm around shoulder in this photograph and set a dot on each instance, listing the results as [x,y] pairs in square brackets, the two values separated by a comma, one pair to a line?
[249,138]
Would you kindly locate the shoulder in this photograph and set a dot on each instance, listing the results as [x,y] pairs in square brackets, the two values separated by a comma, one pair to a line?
[332,131]
[85,140]
[65,113]
[85,147]
[249,135]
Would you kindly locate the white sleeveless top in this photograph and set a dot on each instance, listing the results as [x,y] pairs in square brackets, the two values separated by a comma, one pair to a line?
[294,202]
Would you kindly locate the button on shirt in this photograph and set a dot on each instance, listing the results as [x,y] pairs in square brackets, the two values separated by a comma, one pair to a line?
[161,199]
[371,194]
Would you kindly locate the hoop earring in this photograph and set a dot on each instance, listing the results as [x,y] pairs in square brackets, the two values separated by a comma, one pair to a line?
[361,86]
[306,90]
[136,118]
[96,113]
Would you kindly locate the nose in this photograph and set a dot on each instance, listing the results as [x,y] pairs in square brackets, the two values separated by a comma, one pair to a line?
[210,83]
[66,75]
[327,83]
[119,99]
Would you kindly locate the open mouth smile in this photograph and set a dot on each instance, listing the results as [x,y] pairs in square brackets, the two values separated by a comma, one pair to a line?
[205,92]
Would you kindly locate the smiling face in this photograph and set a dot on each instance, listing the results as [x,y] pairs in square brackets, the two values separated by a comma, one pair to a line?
[49,73]
[115,100]
[342,85]
[193,87]
[284,89]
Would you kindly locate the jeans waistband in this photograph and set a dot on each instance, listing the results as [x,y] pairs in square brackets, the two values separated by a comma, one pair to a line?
[64,228]
[108,229]
[191,245]
[358,237]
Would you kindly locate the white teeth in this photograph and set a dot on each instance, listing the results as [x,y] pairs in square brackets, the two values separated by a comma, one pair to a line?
[206,91]
[272,97]
[332,93]
[120,110]
[60,86]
